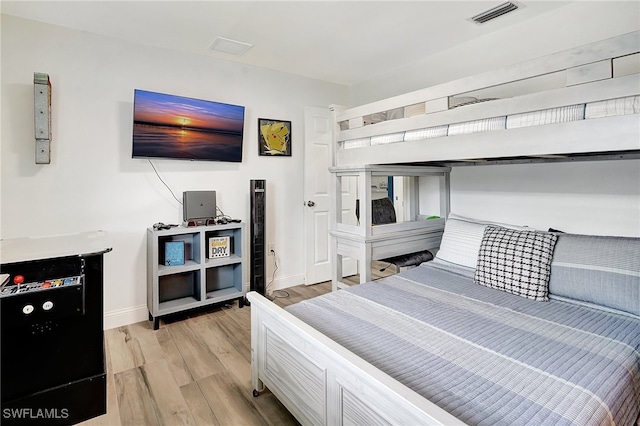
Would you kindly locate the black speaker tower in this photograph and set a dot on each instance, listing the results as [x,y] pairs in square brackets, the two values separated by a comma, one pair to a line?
[257,258]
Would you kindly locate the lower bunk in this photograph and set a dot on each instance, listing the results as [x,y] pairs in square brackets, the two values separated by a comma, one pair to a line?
[323,383]
[432,346]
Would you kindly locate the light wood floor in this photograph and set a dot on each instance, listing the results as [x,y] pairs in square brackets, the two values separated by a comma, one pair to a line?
[193,370]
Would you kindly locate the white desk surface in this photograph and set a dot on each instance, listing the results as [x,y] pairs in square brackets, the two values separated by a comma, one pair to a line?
[36,248]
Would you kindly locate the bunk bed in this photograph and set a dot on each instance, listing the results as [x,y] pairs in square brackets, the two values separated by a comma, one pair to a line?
[575,105]
[581,103]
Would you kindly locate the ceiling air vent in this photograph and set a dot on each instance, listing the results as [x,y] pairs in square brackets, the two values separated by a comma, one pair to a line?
[226,45]
[494,12]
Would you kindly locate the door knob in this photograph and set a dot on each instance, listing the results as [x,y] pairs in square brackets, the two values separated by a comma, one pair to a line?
[310,203]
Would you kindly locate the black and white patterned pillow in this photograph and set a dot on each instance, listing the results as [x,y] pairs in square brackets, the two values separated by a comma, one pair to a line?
[516,261]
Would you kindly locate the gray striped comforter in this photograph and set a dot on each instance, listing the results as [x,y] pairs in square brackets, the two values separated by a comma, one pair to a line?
[486,356]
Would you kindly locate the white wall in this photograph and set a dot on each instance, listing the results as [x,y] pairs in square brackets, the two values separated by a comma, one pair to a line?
[563,28]
[595,197]
[93,183]
[589,197]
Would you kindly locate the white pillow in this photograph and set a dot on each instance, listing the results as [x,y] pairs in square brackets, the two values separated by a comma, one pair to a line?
[461,240]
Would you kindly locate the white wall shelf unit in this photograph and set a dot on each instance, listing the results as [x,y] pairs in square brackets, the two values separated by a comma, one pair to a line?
[199,281]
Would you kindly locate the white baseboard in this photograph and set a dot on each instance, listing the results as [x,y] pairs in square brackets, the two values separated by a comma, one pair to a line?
[126,316]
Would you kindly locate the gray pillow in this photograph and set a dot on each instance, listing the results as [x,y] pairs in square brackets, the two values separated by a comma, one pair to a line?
[604,271]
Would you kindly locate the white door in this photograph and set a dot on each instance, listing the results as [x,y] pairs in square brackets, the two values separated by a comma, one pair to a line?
[317,160]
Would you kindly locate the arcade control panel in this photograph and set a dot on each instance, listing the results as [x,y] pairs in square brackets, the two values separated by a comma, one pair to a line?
[39,299]
[21,287]
[53,298]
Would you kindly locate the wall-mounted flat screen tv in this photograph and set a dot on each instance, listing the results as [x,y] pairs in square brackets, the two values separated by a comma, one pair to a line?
[168,126]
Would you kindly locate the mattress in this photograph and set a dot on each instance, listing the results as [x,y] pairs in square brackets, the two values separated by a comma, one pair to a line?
[486,356]
[388,138]
[427,133]
[356,143]
[477,126]
[547,116]
[611,107]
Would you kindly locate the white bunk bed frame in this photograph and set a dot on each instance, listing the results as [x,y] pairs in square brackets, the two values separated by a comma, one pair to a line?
[600,80]
[321,382]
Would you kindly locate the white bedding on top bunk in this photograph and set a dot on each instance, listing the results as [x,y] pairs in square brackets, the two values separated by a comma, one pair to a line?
[607,108]
[430,132]
[547,116]
[477,126]
[611,107]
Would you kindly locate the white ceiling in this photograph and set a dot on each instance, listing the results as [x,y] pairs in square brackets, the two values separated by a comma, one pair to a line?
[344,42]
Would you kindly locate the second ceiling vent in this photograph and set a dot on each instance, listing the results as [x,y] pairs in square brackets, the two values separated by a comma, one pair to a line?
[494,12]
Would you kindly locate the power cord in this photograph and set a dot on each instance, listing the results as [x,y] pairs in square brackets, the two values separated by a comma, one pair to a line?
[385,268]
[273,277]
[221,216]
[165,184]
[284,296]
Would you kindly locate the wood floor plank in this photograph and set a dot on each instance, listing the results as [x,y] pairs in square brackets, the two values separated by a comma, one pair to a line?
[228,401]
[238,336]
[200,361]
[198,405]
[179,369]
[134,400]
[111,418]
[108,354]
[196,315]
[272,410]
[241,315]
[125,351]
[215,336]
[146,339]
[317,289]
[168,401]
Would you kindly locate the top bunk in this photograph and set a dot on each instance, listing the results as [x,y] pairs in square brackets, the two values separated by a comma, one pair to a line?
[578,104]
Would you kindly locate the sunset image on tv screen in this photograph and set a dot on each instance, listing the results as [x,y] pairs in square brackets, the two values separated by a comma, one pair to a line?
[169,126]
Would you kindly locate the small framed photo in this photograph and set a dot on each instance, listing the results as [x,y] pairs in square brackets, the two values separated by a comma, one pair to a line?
[274,137]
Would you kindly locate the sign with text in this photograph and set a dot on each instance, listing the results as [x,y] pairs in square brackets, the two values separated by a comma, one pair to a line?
[219,247]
